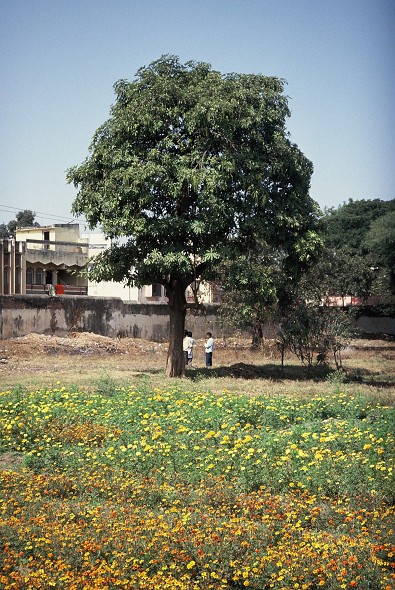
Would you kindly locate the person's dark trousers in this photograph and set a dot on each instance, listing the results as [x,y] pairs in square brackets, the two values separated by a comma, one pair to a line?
[209,359]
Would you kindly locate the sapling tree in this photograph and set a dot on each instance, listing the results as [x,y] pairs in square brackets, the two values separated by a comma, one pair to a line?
[312,332]
[193,167]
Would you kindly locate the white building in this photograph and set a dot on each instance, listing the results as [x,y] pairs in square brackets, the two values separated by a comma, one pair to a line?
[147,294]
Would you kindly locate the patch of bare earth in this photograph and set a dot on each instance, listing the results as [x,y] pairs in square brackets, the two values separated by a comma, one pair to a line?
[11,461]
[76,354]
[41,348]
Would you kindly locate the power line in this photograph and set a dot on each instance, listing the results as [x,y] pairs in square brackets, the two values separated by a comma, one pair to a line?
[52,217]
[40,214]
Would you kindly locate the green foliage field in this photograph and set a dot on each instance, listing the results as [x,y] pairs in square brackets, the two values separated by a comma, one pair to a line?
[171,488]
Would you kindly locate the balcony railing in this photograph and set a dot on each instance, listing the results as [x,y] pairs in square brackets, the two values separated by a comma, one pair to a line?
[58,289]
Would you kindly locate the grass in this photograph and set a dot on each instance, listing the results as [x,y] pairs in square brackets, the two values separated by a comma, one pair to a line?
[238,477]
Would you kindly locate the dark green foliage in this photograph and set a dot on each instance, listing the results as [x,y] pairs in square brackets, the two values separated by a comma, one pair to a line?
[337,273]
[190,162]
[358,257]
[23,218]
[4,231]
[254,286]
[380,243]
[362,234]
[346,227]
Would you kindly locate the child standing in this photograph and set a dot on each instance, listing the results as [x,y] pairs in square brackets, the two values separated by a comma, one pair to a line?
[186,343]
[190,349]
[209,347]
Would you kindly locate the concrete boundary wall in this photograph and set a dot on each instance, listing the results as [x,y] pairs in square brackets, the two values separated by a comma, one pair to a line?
[24,314]
[376,325]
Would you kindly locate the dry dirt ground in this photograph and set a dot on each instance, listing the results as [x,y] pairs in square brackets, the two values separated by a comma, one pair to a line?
[84,359]
[75,357]
[82,351]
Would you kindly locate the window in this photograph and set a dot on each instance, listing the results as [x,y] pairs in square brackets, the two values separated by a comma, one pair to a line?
[17,279]
[39,276]
[46,237]
[156,290]
[29,276]
[6,276]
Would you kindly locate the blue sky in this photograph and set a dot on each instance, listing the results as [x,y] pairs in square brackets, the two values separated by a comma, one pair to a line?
[59,60]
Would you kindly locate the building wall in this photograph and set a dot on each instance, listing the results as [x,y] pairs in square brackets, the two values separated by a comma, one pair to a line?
[113,289]
[55,255]
[67,232]
[49,255]
[97,244]
[12,267]
[58,258]
[376,325]
[57,232]
[34,233]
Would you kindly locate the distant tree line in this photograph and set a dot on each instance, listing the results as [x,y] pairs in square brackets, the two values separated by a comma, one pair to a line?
[25,218]
[359,251]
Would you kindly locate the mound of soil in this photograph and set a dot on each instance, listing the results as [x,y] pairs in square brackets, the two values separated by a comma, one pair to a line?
[77,343]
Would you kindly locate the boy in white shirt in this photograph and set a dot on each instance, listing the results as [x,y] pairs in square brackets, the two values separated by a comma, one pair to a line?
[209,347]
[186,344]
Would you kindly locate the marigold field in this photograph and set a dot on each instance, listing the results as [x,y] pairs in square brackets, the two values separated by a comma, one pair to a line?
[153,489]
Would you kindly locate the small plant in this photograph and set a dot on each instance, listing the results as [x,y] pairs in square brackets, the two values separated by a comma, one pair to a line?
[50,460]
[106,385]
[336,379]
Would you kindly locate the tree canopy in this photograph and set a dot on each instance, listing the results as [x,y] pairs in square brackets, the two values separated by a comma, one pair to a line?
[192,167]
[25,218]
[360,238]
[346,226]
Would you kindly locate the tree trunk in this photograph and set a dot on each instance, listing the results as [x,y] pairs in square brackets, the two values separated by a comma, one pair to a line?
[257,335]
[175,365]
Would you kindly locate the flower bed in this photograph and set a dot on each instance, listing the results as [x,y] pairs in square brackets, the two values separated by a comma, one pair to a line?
[186,489]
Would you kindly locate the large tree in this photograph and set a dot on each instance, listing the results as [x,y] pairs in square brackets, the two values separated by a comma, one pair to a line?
[193,166]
